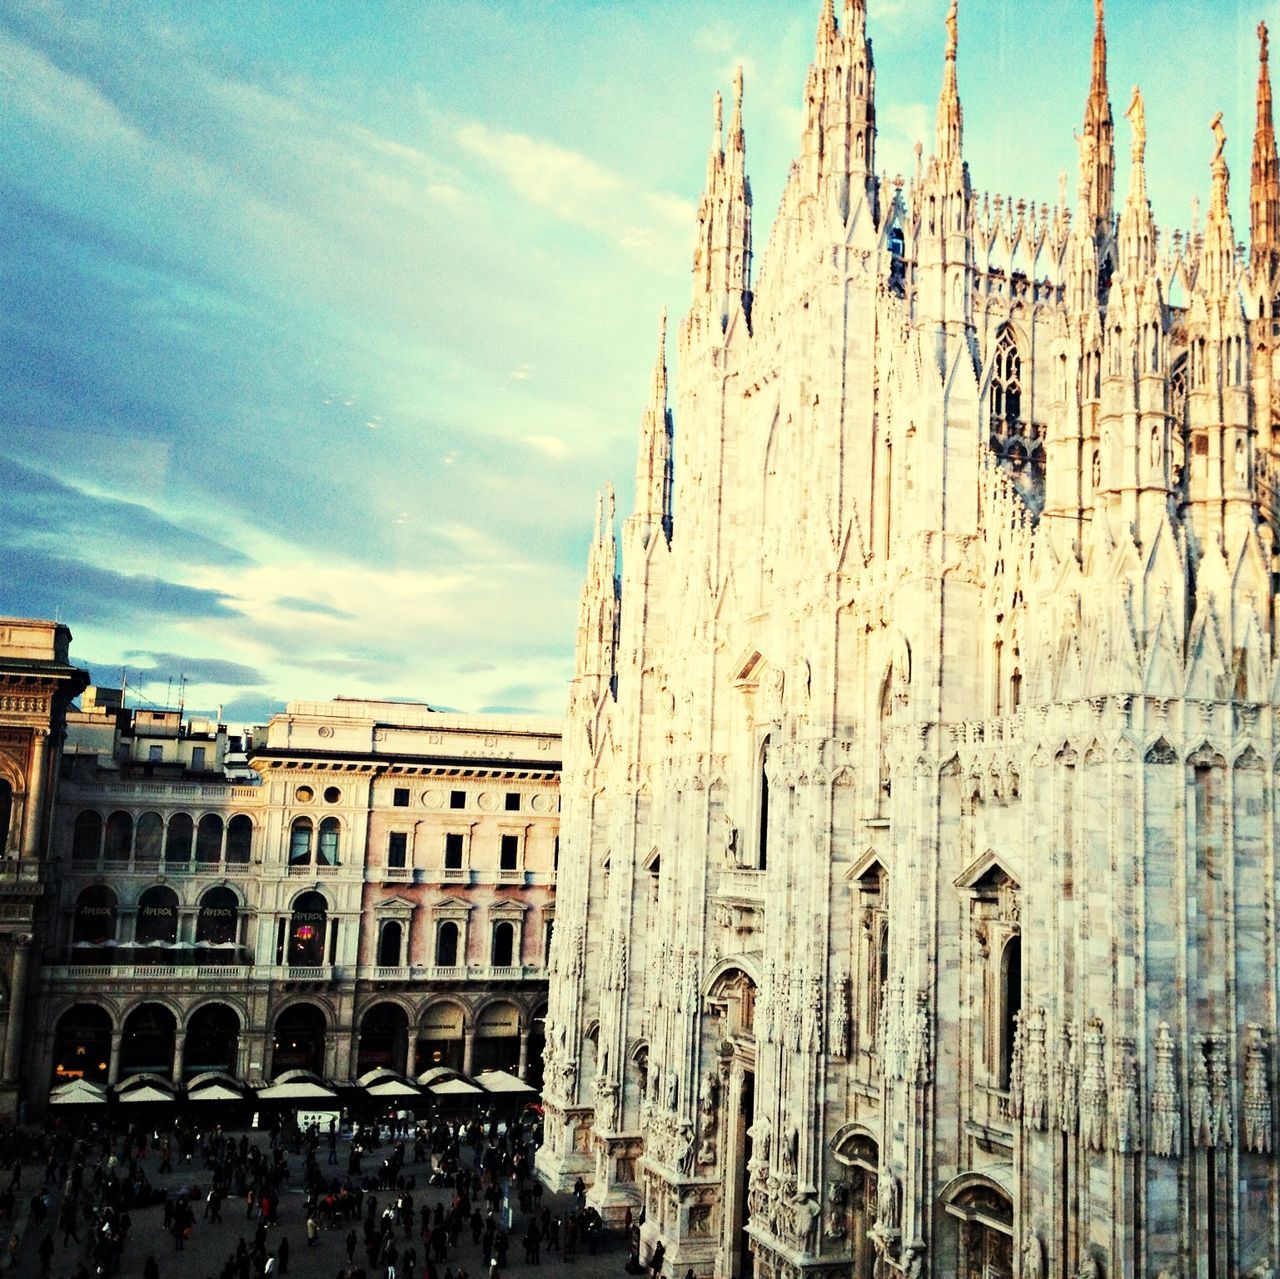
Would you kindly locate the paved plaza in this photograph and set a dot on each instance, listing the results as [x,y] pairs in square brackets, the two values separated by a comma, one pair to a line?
[211,1243]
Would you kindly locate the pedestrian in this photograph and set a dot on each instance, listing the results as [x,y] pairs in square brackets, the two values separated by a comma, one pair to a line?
[313,1231]
[352,1241]
[282,1257]
[494,1272]
[656,1259]
[580,1193]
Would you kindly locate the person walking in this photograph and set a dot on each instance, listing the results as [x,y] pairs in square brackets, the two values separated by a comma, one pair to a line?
[282,1256]
[313,1231]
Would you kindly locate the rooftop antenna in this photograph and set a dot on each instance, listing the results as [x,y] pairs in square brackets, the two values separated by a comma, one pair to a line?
[182,696]
[124,687]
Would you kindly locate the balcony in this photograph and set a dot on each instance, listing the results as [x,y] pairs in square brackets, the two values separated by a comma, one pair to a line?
[322,973]
[747,885]
[147,972]
[381,973]
[402,873]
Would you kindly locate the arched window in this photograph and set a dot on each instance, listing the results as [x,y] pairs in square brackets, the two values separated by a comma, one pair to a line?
[148,1041]
[1006,385]
[763,849]
[157,917]
[300,841]
[389,940]
[178,838]
[384,1038]
[94,921]
[1010,1004]
[239,838]
[6,813]
[86,841]
[327,848]
[209,838]
[504,941]
[447,945]
[218,920]
[149,841]
[307,927]
[298,1040]
[213,1040]
[119,837]
[82,1044]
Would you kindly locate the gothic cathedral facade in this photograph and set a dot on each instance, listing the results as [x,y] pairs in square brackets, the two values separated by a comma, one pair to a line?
[916,907]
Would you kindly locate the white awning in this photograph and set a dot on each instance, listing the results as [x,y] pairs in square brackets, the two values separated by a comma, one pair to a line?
[79,1092]
[456,1088]
[501,1081]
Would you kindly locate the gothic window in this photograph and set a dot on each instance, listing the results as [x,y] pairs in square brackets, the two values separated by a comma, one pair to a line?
[897,260]
[86,841]
[447,944]
[854,1201]
[1006,385]
[300,841]
[1010,1005]
[763,850]
[985,1230]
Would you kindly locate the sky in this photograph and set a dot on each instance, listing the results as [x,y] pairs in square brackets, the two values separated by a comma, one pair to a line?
[321,324]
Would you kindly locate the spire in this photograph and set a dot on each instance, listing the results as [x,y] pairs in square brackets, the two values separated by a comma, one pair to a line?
[1137,227]
[950,116]
[1219,239]
[1264,186]
[1099,127]
[596,649]
[653,465]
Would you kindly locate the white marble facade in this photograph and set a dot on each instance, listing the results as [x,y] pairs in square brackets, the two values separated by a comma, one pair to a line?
[916,907]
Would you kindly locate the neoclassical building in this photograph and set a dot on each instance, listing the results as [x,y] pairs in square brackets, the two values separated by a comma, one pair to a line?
[381,893]
[919,891]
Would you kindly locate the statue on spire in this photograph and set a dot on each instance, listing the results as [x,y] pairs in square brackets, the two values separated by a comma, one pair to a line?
[1265,40]
[1219,136]
[1137,116]
[953,39]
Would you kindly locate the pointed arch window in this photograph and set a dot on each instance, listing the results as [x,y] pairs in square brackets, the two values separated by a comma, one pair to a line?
[1006,385]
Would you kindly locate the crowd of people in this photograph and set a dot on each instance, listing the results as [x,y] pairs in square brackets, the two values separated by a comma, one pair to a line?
[406,1201]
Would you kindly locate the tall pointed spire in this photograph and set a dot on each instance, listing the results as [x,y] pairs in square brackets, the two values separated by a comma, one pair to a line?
[653,465]
[1137,226]
[1099,128]
[1219,253]
[1264,186]
[950,116]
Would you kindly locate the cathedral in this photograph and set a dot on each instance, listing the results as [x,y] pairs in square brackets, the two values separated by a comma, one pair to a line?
[916,908]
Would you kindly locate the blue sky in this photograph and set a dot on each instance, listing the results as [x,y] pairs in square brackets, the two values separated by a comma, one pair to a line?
[321,323]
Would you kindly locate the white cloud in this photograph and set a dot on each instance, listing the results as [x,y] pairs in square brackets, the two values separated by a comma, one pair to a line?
[551,445]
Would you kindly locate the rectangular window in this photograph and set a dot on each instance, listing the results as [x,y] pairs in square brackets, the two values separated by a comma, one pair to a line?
[510,852]
[555,856]
[457,799]
[513,801]
[197,759]
[400,797]
[397,847]
[453,852]
[155,754]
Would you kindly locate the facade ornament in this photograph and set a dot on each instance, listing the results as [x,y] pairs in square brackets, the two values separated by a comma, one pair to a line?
[795,1012]
[837,1209]
[1257,1093]
[813,1028]
[1015,1069]
[1202,1128]
[838,1034]
[1124,1098]
[921,1061]
[1035,1072]
[1166,1136]
[709,1118]
[1032,1257]
[1220,1091]
[1093,1087]
[1068,1079]
[887,1204]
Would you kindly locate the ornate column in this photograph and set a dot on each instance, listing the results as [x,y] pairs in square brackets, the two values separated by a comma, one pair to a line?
[468,1050]
[522,1069]
[17,1006]
[33,808]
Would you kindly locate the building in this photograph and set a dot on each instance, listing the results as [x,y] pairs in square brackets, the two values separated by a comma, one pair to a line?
[380,894]
[37,681]
[919,816]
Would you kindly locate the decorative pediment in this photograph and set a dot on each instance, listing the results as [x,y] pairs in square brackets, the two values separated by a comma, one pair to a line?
[394,906]
[450,903]
[989,872]
[868,867]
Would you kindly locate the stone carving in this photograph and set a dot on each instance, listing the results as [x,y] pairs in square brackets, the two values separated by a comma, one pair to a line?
[1068,1079]
[1032,1257]
[920,1046]
[1015,1069]
[1035,1076]
[887,1204]
[1124,1098]
[709,1119]
[1257,1093]
[1202,1126]
[795,1013]
[791,1150]
[1166,1137]
[838,1034]
[1223,1121]
[837,1209]
[1093,1088]
[813,1015]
